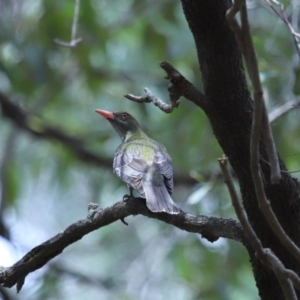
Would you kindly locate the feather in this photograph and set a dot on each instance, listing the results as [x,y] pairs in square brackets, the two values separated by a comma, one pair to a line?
[158,198]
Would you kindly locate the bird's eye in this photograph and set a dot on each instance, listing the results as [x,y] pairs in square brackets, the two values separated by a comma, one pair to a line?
[124,116]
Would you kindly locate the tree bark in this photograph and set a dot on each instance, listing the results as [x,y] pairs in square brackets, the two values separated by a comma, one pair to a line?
[230,115]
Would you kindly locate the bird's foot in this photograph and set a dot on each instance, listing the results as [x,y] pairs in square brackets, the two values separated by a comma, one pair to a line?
[123,221]
[126,198]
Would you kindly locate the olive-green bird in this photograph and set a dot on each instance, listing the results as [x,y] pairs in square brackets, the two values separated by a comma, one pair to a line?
[142,163]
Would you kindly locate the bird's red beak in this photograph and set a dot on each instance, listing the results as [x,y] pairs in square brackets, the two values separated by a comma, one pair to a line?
[106,114]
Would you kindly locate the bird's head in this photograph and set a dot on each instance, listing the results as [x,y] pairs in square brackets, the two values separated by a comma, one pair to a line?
[122,122]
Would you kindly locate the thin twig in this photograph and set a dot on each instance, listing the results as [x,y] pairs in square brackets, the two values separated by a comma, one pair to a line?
[283,109]
[75,20]
[179,86]
[263,120]
[74,41]
[150,97]
[296,171]
[281,14]
[234,25]
[251,235]
[270,146]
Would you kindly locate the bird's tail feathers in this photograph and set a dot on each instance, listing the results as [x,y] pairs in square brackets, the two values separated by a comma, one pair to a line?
[158,198]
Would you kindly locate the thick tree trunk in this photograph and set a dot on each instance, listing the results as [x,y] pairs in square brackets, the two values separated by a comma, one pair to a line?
[226,89]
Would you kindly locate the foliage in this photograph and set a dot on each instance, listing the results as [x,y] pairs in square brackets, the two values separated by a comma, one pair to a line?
[45,187]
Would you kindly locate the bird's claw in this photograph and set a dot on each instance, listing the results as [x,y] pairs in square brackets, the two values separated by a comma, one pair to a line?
[123,221]
[126,198]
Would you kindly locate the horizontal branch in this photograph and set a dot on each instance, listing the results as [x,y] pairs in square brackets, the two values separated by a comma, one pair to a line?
[210,228]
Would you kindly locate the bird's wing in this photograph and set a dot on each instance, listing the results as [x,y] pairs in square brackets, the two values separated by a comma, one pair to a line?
[130,167]
[163,165]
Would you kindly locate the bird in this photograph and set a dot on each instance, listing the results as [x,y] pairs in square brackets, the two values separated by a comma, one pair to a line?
[142,163]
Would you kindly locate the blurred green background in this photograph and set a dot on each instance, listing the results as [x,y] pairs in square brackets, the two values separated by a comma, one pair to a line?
[45,186]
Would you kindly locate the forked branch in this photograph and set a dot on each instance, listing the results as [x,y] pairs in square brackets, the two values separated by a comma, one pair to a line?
[179,86]
[74,40]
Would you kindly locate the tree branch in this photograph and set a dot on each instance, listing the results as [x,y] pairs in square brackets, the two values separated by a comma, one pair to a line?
[285,276]
[224,85]
[281,14]
[260,121]
[249,232]
[150,97]
[179,86]
[277,112]
[74,41]
[210,228]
